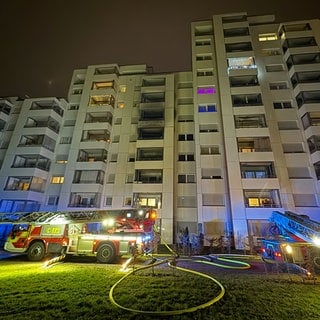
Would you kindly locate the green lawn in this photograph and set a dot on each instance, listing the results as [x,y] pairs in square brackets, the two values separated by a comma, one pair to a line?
[81,291]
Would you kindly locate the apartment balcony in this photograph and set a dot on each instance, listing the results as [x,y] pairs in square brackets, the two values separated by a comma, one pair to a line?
[88,177]
[236,32]
[149,154]
[257,170]
[305,80]
[238,39]
[256,156]
[287,29]
[96,136]
[250,121]
[84,199]
[31,161]
[244,81]
[308,97]
[152,97]
[41,107]
[41,131]
[151,133]
[262,197]
[151,123]
[268,183]
[152,111]
[42,122]
[154,82]
[104,87]
[303,60]
[25,183]
[242,46]
[94,126]
[95,144]
[160,87]
[92,155]
[147,187]
[246,90]
[101,100]
[86,187]
[299,42]
[98,117]
[151,117]
[19,204]
[246,100]
[148,176]
[38,141]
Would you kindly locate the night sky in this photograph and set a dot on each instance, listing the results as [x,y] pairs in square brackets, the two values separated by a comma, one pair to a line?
[43,41]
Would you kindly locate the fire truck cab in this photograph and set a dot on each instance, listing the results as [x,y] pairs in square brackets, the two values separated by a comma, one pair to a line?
[103,234]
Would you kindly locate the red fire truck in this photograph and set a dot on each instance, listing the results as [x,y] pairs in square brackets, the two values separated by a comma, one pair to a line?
[104,234]
[295,241]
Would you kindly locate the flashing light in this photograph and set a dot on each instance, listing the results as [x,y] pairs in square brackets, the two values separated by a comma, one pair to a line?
[59,220]
[108,222]
[140,212]
[289,249]
[316,241]
[153,215]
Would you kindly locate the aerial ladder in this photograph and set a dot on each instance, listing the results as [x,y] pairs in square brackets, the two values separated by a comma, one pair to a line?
[298,225]
[295,244]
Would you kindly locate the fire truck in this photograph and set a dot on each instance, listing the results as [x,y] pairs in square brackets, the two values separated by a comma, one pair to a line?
[294,241]
[103,234]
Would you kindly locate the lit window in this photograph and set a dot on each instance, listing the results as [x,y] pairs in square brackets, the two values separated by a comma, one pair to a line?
[103,85]
[62,161]
[123,89]
[101,100]
[253,202]
[241,63]
[268,37]
[57,179]
[120,105]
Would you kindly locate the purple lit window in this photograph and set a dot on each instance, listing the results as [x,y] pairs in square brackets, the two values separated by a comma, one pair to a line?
[206,90]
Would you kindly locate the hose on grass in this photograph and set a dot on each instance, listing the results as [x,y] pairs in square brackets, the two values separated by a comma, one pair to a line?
[235,264]
[170,312]
[172,264]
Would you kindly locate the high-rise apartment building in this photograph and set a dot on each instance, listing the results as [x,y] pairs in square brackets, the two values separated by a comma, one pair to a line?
[215,149]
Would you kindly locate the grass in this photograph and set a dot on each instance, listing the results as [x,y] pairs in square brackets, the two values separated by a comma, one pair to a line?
[81,291]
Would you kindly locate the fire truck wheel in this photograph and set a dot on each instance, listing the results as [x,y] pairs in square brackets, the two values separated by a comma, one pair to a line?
[106,253]
[36,251]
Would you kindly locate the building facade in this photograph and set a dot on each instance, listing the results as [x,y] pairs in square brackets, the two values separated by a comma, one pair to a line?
[215,149]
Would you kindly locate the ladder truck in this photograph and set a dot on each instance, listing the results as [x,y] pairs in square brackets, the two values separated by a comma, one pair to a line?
[105,234]
[295,240]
